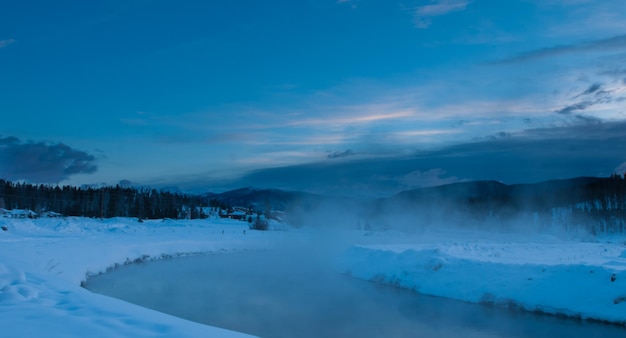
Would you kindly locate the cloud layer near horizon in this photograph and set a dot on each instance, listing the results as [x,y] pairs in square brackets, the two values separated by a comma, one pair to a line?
[40,162]
[415,97]
[530,156]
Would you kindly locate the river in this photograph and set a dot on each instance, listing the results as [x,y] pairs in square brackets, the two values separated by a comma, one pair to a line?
[274,294]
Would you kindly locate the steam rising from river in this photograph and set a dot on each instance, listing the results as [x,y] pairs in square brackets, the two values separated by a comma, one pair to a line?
[294,290]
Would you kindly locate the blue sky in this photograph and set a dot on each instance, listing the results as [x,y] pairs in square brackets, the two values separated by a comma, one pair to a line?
[360,94]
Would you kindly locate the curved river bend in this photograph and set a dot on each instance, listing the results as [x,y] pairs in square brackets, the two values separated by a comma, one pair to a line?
[278,295]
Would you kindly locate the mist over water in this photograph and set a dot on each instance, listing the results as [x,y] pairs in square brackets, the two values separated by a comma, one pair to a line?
[566,208]
[294,291]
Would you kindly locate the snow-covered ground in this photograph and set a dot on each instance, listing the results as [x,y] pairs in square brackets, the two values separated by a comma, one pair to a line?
[43,261]
[582,279]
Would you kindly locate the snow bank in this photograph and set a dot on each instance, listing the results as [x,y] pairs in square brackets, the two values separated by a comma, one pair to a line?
[43,261]
[585,280]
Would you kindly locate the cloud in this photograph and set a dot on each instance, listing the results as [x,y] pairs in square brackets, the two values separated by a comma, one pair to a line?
[442,7]
[582,17]
[616,42]
[565,2]
[575,107]
[596,94]
[428,132]
[42,162]
[426,178]
[341,154]
[602,100]
[4,43]
[350,2]
[581,149]
[424,14]
[581,141]
[592,89]
[363,118]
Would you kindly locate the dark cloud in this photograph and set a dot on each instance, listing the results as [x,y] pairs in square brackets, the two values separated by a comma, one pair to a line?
[592,89]
[341,154]
[501,134]
[587,119]
[616,42]
[601,96]
[589,148]
[40,162]
[568,110]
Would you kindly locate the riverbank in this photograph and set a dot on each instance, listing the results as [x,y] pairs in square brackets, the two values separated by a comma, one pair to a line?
[44,261]
[543,274]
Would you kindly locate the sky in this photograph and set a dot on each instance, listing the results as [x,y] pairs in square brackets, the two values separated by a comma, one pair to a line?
[353,96]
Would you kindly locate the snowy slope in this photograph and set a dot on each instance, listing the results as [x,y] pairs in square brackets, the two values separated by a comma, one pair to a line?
[42,263]
[542,273]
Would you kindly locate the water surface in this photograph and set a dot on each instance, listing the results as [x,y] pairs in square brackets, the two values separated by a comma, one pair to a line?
[278,294]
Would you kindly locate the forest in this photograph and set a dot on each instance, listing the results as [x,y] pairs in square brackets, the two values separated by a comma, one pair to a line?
[102,202]
[597,204]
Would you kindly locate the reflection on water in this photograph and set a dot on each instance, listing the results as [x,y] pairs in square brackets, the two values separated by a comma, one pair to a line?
[279,295]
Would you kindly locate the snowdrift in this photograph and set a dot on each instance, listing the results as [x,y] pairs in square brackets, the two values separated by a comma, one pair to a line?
[580,280]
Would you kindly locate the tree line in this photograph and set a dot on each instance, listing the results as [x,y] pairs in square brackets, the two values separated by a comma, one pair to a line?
[596,204]
[103,202]
[602,209]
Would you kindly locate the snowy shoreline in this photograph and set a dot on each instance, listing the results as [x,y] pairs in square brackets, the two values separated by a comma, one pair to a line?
[149,258]
[44,261]
[573,279]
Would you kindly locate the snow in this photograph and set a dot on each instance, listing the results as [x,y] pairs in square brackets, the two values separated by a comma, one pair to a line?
[543,273]
[43,262]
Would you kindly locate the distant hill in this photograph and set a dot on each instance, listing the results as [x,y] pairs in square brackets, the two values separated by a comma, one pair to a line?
[597,204]
[538,195]
[262,199]
[294,207]
[520,196]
